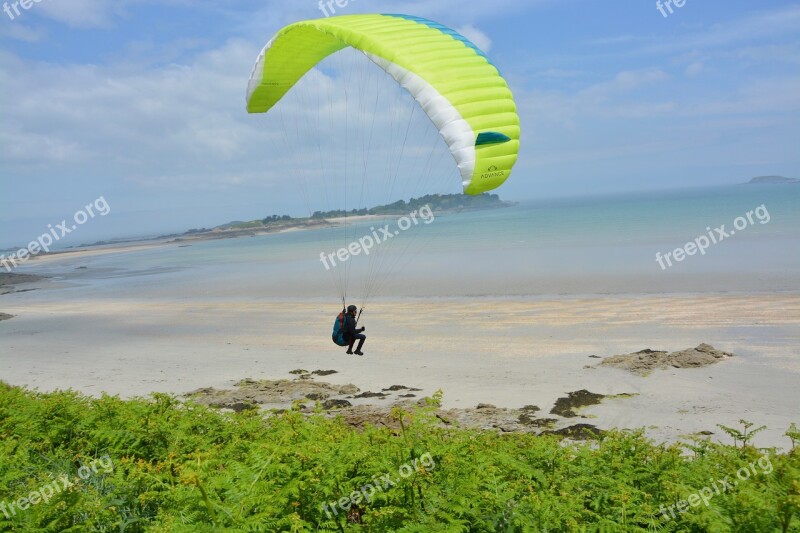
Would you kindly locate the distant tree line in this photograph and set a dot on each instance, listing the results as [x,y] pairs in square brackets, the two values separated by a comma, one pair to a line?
[275,218]
[437,202]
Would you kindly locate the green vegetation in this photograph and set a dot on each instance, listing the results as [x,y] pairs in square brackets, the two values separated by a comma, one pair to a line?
[270,221]
[183,467]
[437,202]
[275,218]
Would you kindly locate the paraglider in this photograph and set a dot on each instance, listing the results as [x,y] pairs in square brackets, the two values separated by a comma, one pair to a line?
[453,81]
[457,86]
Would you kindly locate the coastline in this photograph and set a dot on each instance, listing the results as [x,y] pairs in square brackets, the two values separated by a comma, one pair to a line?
[233,232]
[530,351]
[512,321]
[187,239]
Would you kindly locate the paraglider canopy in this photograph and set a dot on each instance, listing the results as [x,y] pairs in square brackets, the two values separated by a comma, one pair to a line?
[453,81]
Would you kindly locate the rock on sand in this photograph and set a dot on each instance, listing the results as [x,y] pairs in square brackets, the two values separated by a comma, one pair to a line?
[645,361]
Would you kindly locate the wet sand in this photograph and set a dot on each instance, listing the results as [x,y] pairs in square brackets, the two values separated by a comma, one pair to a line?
[509,352]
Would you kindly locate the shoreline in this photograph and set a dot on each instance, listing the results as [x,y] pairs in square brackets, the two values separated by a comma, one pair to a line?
[570,415]
[174,321]
[186,238]
[579,414]
[94,250]
[509,353]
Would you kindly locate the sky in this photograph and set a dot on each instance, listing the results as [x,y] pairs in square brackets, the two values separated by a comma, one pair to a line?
[141,103]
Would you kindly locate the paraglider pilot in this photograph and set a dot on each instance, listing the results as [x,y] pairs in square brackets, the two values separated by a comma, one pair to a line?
[351,334]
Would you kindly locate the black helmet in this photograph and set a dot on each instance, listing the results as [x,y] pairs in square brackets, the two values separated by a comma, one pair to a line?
[352,308]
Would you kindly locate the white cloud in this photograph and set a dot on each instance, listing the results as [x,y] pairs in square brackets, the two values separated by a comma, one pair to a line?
[184,126]
[81,13]
[480,39]
[445,11]
[619,39]
[766,24]
[22,32]
[694,69]
[760,96]
[557,73]
[88,116]
[625,82]
[759,55]
[172,129]
[84,14]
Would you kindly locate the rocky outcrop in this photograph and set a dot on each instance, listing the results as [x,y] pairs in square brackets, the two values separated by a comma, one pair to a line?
[645,361]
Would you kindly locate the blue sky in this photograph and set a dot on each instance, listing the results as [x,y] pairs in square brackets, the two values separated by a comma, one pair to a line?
[142,102]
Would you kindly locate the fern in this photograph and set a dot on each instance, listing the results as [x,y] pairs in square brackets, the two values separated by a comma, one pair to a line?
[184,467]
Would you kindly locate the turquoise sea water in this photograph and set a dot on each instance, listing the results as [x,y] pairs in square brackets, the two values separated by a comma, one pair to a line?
[597,245]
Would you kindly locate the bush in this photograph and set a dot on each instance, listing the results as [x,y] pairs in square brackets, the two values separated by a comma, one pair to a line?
[184,467]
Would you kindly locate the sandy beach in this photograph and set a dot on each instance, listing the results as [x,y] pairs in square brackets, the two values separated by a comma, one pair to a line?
[508,352]
[188,238]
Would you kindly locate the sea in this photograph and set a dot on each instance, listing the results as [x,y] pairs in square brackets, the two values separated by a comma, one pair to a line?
[724,239]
